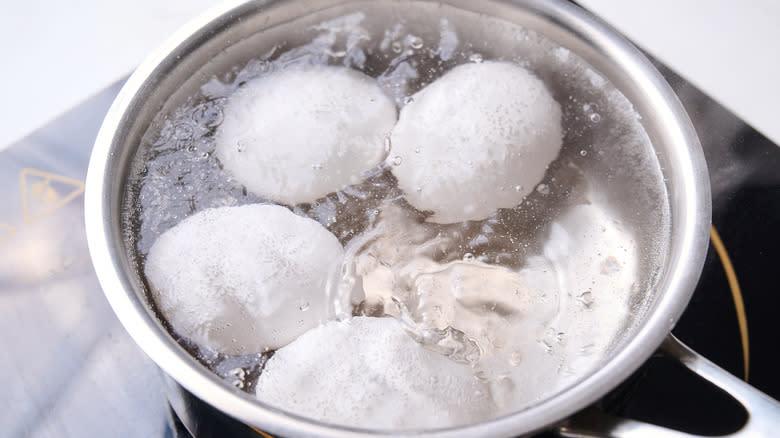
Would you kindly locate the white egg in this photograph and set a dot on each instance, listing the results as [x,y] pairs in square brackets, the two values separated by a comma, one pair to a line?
[599,265]
[244,279]
[367,372]
[300,133]
[477,139]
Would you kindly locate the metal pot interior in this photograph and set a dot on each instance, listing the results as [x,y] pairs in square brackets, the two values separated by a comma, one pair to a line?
[664,206]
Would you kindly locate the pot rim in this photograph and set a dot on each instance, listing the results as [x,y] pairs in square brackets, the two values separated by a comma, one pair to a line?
[691,217]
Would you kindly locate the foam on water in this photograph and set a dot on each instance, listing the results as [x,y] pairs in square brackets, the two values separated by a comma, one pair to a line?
[529,297]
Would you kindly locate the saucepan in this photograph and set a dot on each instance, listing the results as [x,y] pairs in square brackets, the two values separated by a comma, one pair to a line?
[177,68]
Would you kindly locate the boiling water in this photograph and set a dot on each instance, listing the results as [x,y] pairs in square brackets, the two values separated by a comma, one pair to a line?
[546,289]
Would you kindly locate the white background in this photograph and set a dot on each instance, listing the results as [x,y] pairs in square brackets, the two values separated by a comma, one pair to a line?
[56,53]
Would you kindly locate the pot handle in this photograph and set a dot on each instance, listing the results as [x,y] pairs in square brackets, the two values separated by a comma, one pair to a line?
[763,411]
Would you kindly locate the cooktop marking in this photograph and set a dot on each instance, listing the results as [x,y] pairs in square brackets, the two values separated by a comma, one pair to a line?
[44,192]
[736,294]
[6,232]
[263,434]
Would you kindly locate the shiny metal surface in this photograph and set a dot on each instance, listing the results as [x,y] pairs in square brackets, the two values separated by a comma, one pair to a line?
[68,367]
[763,411]
[201,419]
[664,118]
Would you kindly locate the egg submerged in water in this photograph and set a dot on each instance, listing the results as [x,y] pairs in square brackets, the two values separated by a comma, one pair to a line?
[367,372]
[246,279]
[475,140]
[304,131]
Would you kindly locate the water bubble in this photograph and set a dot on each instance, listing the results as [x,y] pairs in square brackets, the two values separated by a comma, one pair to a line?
[238,377]
[468,257]
[240,147]
[543,189]
[595,117]
[450,342]
[518,188]
[182,131]
[397,160]
[417,150]
[610,266]
[583,153]
[515,358]
[303,306]
[408,100]
[588,349]
[388,144]
[586,299]
[396,47]
[207,114]
[416,42]
[475,57]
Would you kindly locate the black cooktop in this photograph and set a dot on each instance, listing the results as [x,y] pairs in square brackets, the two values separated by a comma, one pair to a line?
[70,370]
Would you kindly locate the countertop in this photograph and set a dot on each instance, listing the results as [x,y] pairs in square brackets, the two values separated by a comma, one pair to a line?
[57,54]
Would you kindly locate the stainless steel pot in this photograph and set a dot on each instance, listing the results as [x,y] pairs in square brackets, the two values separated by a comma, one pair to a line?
[663,117]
